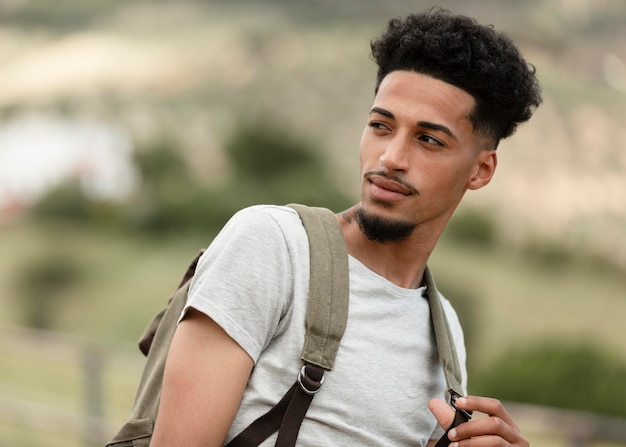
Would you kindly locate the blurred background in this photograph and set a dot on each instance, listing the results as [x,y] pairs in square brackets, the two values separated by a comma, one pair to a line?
[130,131]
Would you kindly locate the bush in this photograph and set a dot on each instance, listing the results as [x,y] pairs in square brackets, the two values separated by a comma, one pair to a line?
[66,202]
[548,254]
[575,376]
[164,171]
[466,305]
[270,165]
[473,227]
[261,151]
[41,286]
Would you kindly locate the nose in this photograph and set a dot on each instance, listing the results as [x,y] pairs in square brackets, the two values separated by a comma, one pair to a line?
[395,155]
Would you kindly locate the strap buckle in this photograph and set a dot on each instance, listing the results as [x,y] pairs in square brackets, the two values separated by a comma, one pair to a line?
[467,415]
[460,416]
[308,385]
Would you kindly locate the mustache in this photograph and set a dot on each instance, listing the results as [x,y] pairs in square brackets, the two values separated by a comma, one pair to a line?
[393,178]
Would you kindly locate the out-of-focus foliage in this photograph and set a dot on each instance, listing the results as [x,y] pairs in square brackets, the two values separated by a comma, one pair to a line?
[273,165]
[467,307]
[473,227]
[568,375]
[168,194]
[67,203]
[42,285]
[61,15]
[260,152]
[267,166]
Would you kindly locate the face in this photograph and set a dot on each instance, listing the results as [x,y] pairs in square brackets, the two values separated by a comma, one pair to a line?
[419,152]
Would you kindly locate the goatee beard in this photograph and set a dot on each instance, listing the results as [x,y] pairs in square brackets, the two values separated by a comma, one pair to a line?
[383,230]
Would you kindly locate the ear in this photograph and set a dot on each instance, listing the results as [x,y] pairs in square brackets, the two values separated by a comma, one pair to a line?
[486,163]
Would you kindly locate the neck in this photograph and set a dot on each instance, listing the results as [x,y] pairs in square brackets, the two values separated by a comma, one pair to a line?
[402,263]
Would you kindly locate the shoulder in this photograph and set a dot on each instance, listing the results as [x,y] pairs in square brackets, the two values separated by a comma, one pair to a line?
[262,226]
[279,212]
[264,219]
[259,237]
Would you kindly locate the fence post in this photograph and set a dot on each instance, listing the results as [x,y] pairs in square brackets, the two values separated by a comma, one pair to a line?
[93,364]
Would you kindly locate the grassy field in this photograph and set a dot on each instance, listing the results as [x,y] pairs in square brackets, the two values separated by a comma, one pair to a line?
[124,280]
[518,301]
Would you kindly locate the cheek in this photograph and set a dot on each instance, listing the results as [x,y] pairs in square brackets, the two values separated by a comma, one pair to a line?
[367,152]
[450,179]
[462,177]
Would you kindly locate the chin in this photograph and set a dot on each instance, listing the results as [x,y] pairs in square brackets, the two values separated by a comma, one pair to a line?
[372,204]
[383,228]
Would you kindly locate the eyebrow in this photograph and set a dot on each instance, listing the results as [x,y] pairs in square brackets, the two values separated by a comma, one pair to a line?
[426,124]
[439,127]
[383,112]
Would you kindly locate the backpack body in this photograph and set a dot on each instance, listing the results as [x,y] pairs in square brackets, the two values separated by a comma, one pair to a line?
[154,344]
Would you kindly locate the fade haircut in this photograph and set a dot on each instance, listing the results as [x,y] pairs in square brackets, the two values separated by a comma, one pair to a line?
[475,58]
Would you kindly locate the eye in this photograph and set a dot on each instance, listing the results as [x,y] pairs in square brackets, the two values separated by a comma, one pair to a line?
[378,126]
[430,140]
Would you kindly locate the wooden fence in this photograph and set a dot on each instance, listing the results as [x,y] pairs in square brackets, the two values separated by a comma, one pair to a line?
[60,385]
[36,407]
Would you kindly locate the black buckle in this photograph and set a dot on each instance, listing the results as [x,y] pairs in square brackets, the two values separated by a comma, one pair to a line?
[467,415]
[460,416]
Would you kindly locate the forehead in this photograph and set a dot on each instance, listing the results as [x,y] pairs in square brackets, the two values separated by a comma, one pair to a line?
[418,97]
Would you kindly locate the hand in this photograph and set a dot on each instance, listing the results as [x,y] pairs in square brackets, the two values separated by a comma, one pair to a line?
[497,429]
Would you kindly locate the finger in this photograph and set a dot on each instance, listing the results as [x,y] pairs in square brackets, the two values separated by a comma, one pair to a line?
[485,441]
[488,430]
[487,405]
[492,441]
[443,412]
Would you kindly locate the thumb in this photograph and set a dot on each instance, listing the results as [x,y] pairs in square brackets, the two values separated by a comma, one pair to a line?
[443,412]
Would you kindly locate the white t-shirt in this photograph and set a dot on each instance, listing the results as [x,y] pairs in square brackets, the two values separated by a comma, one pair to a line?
[253,281]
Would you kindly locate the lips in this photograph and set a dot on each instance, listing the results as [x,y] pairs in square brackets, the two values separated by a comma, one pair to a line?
[388,185]
[385,190]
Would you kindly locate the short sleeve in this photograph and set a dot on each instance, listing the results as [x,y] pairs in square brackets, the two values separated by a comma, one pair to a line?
[244,280]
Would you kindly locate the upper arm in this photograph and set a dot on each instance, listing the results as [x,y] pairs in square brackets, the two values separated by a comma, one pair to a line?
[205,376]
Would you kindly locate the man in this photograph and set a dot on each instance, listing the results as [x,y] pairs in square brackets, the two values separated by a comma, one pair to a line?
[448,89]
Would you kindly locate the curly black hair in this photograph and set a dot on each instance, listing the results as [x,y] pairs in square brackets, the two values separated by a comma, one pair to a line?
[475,58]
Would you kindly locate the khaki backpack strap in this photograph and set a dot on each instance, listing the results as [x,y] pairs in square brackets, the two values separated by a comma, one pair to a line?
[447,355]
[327,308]
[445,343]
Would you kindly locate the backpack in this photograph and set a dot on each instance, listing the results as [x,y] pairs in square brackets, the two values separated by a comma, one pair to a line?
[325,322]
